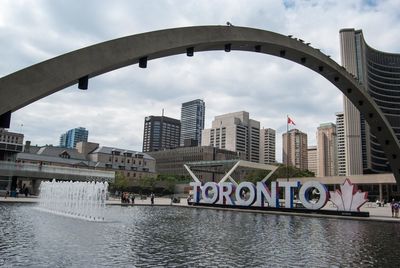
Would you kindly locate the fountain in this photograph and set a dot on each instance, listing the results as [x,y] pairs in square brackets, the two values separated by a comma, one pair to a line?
[83,200]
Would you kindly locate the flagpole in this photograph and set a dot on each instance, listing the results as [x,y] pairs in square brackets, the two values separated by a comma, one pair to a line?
[287,147]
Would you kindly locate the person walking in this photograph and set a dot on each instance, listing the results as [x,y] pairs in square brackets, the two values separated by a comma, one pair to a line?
[392,206]
[396,209]
[152,198]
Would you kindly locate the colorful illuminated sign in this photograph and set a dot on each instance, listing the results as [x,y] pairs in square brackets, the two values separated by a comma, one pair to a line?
[259,195]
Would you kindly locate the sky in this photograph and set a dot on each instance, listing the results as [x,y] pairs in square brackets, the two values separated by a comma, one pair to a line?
[115,105]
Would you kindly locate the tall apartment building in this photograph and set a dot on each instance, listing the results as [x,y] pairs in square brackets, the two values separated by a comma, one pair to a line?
[192,122]
[294,149]
[267,146]
[235,132]
[73,136]
[326,150]
[341,149]
[312,159]
[161,132]
[379,72]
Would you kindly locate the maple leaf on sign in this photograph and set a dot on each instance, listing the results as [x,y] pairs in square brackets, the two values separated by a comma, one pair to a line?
[348,198]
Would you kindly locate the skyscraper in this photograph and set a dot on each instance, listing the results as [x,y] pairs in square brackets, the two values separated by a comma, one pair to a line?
[235,132]
[312,159]
[73,136]
[192,122]
[379,72]
[161,132]
[294,149]
[267,146]
[341,149]
[326,150]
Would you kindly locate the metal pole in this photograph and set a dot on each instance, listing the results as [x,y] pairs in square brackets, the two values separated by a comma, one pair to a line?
[287,148]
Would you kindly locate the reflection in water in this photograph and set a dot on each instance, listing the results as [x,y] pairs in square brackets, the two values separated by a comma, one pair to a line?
[170,236]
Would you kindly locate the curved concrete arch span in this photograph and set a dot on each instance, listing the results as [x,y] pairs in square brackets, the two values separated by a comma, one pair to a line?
[40,80]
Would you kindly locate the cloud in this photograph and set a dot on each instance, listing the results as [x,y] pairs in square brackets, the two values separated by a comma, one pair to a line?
[114,107]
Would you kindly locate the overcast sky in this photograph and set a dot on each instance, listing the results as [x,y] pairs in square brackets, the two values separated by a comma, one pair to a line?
[114,107]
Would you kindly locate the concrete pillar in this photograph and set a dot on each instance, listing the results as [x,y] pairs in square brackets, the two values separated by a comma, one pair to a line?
[387,193]
[380,192]
[35,186]
[13,183]
[9,183]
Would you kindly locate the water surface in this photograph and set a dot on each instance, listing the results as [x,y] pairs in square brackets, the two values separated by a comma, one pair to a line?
[182,237]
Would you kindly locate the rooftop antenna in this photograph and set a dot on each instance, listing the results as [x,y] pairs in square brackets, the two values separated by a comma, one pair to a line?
[162,112]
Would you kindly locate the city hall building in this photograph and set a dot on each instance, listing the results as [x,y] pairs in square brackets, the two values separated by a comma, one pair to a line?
[379,72]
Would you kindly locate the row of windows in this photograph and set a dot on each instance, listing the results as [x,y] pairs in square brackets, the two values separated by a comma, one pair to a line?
[127,160]
[386,62]
[390,89]
[11,139]
[389,78]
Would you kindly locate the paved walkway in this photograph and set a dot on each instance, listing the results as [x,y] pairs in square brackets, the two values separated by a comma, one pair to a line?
[376,213]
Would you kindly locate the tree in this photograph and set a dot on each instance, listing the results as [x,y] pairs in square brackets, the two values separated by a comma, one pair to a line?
[121,183]
[281,172]
[256,175]
[147,183]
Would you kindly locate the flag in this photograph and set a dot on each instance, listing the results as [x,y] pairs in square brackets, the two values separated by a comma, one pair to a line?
[290,121]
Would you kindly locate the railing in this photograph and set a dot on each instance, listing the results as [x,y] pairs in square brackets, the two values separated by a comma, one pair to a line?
[23,168]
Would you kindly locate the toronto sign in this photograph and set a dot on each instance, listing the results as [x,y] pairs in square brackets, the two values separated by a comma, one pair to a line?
[248,194]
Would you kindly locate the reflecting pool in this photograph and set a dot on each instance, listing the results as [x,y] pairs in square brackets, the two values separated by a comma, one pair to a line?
[182,237]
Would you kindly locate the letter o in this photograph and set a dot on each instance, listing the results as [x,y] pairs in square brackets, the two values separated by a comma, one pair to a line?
[323,195]
[252,192]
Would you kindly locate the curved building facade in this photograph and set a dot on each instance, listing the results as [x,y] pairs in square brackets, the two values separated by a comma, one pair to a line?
[380,73]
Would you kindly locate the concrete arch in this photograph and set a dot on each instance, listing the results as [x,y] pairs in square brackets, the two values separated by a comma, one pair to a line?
[40,80]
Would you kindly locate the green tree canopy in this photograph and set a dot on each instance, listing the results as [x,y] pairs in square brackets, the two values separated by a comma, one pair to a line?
[121,183]
[281,172]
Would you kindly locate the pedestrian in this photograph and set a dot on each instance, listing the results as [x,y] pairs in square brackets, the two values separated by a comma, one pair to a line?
[396,209]
[7,194]
[152,198]
[392,206]
[26,192]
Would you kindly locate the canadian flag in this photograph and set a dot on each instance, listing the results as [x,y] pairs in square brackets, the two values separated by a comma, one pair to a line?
[290,121]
